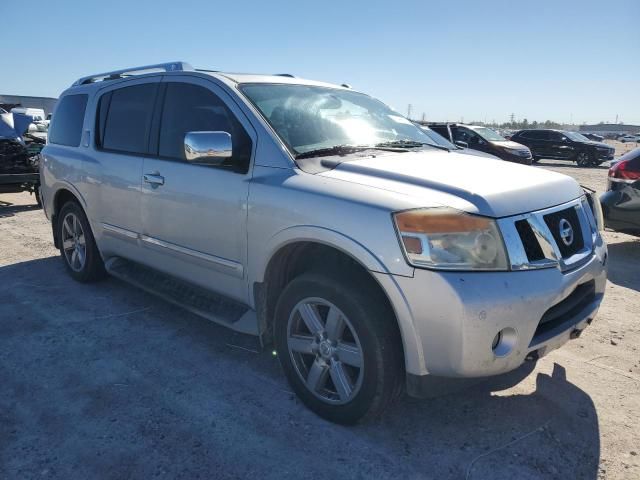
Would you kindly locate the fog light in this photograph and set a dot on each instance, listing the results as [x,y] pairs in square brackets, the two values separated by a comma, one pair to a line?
[504,341]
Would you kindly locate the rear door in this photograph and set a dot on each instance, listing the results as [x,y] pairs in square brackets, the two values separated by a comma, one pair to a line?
[123,125]
[194,217]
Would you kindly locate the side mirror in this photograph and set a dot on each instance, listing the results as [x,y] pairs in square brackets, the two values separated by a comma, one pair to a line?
[207,148]
[462,144]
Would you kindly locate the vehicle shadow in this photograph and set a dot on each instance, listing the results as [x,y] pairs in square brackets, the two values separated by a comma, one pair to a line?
[624,264]
[567,164]
[8,209]
[106,378]
[551,432]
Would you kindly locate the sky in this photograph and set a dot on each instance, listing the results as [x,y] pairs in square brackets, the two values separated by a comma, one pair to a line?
[567,61]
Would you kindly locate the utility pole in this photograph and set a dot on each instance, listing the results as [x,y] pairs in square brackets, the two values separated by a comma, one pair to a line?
[512,118]
[616,118]
[409,111]
[423,117]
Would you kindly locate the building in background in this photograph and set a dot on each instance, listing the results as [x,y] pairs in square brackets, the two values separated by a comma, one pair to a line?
[610,129]
[10,101]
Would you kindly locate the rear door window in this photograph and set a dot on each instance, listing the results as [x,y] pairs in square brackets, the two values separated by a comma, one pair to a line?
[66,129]
[124,118]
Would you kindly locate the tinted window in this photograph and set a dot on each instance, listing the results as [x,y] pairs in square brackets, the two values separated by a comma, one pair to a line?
[461,134]
[534,134]
[191,108]
[556,136]
[124,118]
[66,129]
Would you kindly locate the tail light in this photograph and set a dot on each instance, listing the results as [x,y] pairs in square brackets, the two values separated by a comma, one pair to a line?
[624,171]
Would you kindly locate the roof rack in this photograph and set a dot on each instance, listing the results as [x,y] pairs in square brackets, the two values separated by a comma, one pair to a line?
[166,67]
[284,75]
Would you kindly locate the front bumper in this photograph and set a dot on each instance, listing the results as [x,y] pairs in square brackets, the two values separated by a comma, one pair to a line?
[457,315]
[603,155]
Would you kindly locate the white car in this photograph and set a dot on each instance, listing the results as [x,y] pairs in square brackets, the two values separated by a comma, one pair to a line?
[630,138]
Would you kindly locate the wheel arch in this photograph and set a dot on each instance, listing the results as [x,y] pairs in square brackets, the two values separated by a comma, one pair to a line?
[63,195]
[292,258]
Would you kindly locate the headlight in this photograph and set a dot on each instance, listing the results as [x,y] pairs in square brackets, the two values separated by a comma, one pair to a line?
[518,151]
[444,238]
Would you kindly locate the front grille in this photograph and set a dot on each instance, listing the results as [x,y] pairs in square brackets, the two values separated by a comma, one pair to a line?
[566,310]
[529,241]
[568,221]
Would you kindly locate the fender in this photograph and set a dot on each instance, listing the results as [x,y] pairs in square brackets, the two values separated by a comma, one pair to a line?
[412,346]
[312,233]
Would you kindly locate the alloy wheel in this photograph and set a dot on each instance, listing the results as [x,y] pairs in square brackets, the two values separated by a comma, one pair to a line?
[325,350]
[583,159]
[73,242]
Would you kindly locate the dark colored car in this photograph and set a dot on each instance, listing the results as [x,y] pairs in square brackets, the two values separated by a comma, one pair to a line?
[440,141]
[18,160]
[621,202]
[564,145]
[485,140]
[592,136]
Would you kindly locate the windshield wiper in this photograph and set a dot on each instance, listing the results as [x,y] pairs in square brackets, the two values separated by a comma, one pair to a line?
[335,150]
[410,144]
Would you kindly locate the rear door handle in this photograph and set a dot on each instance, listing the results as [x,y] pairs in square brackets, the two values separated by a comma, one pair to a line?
[154,179]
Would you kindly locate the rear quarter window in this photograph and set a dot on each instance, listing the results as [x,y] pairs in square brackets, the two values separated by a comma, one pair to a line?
[66,127]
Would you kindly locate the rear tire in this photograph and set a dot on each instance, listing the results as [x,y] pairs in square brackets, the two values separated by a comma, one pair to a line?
[344,377]
[77,245]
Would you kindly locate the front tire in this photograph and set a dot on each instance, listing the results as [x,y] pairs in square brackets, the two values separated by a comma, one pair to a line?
[77,245]
[339,347]
[583,159]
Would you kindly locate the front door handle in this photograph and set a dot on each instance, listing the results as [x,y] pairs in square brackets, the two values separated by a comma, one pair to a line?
[154,179]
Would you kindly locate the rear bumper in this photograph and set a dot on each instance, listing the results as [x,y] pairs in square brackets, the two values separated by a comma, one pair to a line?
[457,315]
[621,209]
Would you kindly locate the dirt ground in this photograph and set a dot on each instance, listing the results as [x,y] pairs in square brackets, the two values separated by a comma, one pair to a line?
[105,381]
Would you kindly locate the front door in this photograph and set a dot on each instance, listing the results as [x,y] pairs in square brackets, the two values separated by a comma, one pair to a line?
[560,145]
[194,217]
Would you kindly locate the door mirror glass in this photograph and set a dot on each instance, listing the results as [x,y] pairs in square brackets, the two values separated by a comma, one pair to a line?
[207,148]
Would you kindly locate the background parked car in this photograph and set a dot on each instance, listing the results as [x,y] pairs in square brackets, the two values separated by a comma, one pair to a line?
[629,138]
[564,145]
[621,202]
[485,140]
[440,141]
[19,157]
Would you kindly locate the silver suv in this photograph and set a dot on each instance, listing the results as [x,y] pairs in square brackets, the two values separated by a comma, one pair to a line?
[317,217]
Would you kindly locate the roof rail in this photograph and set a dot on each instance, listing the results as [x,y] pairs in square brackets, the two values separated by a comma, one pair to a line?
[284,75]
[166,67]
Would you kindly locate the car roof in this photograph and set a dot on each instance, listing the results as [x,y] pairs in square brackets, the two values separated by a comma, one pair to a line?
[242,78]
[100,80]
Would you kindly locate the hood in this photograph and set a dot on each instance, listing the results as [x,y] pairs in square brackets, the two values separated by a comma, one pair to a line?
[510,144]
[6,126]
[600,145]
[474,184]
[476,153]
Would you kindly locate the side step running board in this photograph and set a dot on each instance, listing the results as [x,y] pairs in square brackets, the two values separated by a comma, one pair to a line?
[198,300]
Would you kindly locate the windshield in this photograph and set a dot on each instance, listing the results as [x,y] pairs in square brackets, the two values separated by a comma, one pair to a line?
[576,137]
[490,135]
[309,118]
[438,139]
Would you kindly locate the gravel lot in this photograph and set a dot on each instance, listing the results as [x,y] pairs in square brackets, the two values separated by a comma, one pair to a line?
[105,381]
